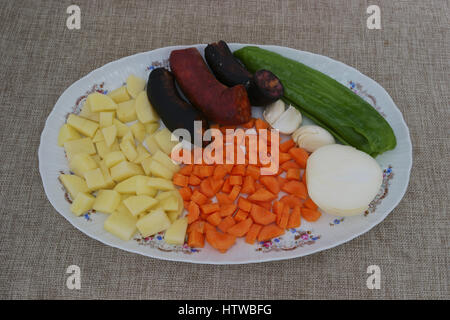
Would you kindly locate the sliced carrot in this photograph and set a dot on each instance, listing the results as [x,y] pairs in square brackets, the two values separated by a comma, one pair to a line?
[300,156]
[227,186]
[265,204]
[186,170]
[235,180]
[310,204]
[271,183]
[185,204]
[291,201]
[293,174]
[220,241]
[234,193]
[227,209]
[206,188]
[208,226]
[269,232]
[216,185]
[249,124]
[310,215]
[281,181]
[226,223]
[244,204]
[240,215]
[185,193]
[284,157]
[260,124]
[296,188]
[278,207]
[240,229]
[197,225]
[304,178]
[214,218]
[193,212]
[248,186]
[282,223]
[294,219]
[223,198]
[194,180]
[289,165]
[210,208]
[253,171]
[262,194]
[252,233]
[228,167]
[285,146]
[261,215]
[205,171]
[220,172]
[238,170]
[196,239]
[180,180]
[199,198]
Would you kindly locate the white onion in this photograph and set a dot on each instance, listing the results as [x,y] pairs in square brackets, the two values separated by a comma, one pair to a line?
[342,180]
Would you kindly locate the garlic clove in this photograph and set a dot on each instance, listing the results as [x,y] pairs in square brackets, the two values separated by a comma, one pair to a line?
[312,137]
[274,111]
[289,121]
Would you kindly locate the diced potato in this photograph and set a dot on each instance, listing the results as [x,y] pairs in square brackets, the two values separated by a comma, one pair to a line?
[82,125]
[176,233]
[144,110]
[139,204]
[67,133]
[107,201]
[119,95]
[124,170]
[161,184]
[151,144]
[164,140]
[110,134]
[126,111]
[128,186]
[83,145]
[95,179]
[122,129]
[106,119]
[73,184]
[172,215]
[158,170]
[103,149]
[88,114]
[109,182]
[151,127]
[142,187]
[166,161]
[81,163]
[98,136]
[113,158]
[129,136]
[146,165]
[169,204]
[135,85]
[96,158]
[101,102]
[121,223]
[165,194]
[83,202]
[176,212]
[142,154]
[154,222]
[139,131]
[128,149]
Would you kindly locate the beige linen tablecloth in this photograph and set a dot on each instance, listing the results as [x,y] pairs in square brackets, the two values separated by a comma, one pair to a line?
[40,57]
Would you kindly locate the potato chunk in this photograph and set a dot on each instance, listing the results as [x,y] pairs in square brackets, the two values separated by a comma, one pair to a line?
[67,133]
[126,111]
[124,170]
[73,184]
[81,163]
[94,179]
[119,95]
[154,222]
[144,110]
[176,233]
[82,125]
[83,145]
[107,201]
[164,140]
[83,202]
[139,204]
[121,223]
[135,85]
[100,102]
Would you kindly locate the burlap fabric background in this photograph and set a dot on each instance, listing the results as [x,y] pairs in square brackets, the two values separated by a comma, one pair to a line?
[40,58]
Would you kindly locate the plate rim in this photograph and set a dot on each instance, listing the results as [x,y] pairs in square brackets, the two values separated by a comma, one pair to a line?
[262,259]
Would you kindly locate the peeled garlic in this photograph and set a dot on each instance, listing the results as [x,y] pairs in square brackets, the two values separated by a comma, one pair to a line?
[312,137]
[274,111]
[289,121]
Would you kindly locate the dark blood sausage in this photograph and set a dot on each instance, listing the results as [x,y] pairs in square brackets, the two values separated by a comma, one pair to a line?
[175,112]
[223,105]
[263,87]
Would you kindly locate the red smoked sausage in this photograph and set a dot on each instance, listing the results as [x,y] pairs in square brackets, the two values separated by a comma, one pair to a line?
[223,105]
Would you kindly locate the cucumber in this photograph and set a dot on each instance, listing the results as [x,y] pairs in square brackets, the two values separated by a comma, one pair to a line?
[333,106]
